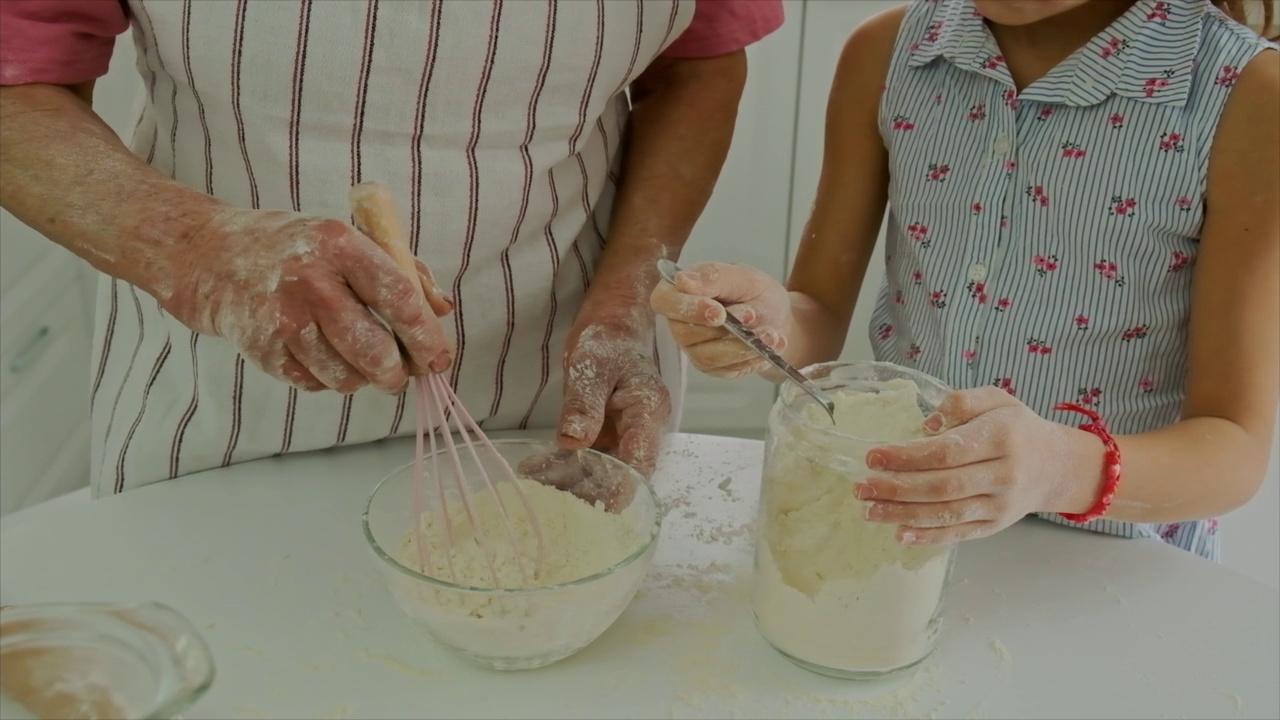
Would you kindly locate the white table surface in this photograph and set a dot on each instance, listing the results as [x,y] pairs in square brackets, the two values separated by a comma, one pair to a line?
[268,559]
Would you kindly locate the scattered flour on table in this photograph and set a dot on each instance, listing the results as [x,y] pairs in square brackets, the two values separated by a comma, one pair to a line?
[252,712]
[580,540]
[833,588]
[1237,703]
[1001,651]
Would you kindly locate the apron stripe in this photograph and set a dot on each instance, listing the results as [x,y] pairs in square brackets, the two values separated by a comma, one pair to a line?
[151,77]
[133,358]
[415,177]
[419,124]
[237,402]
[191,81]
[531,123]
[357,175]
[106,344]
[295,108]
[586,196]
[173,129]
[583,105]
[671,22]
[635,47]
[175,455]
[175,452]
[550,238]
[142,409]
[295,192]
[237,57]
[474,189]
[144,62]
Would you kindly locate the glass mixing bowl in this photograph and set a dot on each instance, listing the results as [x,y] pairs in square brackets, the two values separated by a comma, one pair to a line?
[518,628]
[72,661]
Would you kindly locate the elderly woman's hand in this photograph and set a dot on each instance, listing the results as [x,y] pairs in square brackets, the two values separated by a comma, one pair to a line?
[301,298]
[614,399]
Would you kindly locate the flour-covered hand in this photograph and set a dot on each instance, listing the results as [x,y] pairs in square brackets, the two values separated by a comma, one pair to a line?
[989,461]
[301,297]
[614,398]
[696,305]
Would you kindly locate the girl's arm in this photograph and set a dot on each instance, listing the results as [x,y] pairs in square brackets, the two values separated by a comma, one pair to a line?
[844,225]
[1213,460]
[998,461]
[809,323]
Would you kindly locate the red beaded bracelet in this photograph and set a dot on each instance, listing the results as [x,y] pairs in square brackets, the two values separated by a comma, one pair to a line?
[1110,464]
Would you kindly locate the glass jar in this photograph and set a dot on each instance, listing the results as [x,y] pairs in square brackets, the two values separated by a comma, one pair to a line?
[99,660]
[836,593]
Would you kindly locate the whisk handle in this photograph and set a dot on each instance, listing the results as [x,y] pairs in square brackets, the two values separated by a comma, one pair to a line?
[373,210]
[374,213]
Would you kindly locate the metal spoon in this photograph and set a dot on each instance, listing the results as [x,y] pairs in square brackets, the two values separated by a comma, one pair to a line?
[668,270]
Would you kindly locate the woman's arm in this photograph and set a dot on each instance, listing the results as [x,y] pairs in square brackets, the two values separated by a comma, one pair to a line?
[67,175]
[678,136]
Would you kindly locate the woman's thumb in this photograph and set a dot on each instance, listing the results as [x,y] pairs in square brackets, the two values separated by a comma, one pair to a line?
[441,304]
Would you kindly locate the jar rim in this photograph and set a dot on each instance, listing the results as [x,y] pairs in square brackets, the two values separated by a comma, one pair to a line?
[791,397]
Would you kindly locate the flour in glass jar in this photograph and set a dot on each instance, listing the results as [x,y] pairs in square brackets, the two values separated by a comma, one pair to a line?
[832,588]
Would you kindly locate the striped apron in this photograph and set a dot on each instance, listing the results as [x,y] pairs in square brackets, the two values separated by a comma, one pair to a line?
[498,124]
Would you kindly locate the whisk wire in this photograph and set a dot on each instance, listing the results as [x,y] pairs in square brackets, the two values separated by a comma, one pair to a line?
[426,395]
[461,411]
[463,491]
[420,479]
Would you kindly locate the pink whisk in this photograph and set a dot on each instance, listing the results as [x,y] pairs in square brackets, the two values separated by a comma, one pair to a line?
[374,213]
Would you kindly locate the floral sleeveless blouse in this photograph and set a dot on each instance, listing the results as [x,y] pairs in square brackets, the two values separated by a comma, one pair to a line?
[1045,241]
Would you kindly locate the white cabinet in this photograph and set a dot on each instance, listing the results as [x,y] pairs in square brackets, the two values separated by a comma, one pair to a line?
[46,320]
[747,218]
[44,384]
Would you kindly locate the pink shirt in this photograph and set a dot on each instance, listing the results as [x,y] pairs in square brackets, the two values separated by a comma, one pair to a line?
[65,42]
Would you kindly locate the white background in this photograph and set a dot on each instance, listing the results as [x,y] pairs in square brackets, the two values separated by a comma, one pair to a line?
[755,217]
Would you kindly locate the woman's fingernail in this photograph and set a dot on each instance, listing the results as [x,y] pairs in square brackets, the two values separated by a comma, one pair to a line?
[747,315]
[933,423]
[909,537]
[574,428]
[865,491]
[875,461]
[440,363]
[869,512]
[712,315]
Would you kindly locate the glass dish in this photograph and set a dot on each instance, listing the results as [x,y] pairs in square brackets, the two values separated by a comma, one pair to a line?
[78,661]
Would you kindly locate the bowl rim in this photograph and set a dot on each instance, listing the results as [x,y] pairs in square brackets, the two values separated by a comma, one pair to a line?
[645,547]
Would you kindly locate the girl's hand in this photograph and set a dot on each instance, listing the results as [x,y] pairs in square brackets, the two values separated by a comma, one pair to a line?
[991,461]
[696,306]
